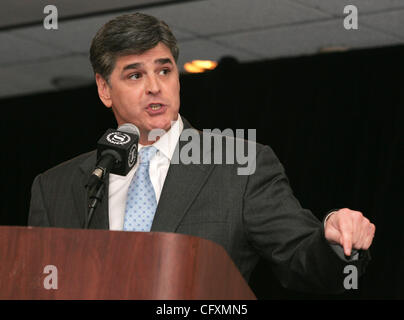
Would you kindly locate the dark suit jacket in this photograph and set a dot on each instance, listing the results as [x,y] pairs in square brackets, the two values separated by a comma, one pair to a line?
[249,215]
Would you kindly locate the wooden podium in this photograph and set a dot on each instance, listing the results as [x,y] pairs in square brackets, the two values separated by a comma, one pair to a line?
[53,263]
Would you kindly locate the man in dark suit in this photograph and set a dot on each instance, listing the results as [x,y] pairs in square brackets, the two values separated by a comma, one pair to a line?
[250,215]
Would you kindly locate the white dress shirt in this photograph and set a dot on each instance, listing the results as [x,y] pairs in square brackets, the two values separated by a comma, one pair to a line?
[159,164]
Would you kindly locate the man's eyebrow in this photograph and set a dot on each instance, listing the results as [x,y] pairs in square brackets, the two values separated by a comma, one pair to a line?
[138,65]
[163,61]
[135,65]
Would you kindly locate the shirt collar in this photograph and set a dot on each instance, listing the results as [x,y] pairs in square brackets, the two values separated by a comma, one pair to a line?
[168,141]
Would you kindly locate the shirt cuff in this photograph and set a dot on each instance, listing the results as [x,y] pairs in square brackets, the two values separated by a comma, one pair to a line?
[327,216]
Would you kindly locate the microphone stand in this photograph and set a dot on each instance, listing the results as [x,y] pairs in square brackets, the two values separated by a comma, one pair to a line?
[95,186]
[94,196]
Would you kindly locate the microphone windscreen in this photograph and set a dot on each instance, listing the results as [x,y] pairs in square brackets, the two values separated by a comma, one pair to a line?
[129,128]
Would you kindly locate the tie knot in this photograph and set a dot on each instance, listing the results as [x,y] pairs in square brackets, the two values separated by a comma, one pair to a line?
[146,154]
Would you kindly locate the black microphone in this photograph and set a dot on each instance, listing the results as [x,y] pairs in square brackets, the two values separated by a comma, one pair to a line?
[116,153]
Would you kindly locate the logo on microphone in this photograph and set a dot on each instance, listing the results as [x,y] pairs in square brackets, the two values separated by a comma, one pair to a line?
[118,138]
[132,157]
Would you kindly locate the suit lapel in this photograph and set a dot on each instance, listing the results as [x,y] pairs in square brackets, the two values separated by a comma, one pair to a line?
[100,218]
[181,186]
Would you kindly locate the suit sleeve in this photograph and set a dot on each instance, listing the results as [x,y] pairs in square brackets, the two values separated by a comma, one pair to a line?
[287,235]
[38,216]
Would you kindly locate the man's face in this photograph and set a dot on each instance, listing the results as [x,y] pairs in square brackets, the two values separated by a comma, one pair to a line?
[144,90]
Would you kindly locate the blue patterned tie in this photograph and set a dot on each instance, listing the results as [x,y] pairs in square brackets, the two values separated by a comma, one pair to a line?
[141,202]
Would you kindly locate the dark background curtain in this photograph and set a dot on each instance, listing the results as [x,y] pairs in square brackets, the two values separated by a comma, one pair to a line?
[334,120]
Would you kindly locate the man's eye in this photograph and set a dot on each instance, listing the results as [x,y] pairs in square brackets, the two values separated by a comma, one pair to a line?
[135,76]
[165,71]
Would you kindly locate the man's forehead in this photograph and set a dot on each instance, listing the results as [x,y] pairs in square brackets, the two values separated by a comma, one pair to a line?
[160,54]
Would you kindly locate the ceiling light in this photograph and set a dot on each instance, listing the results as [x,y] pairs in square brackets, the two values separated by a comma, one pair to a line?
[198,66]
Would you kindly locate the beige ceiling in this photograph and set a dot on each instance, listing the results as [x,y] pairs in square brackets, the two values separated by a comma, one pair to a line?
[249,30]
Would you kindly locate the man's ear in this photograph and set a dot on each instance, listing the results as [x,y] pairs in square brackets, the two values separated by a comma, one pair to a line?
[103,90]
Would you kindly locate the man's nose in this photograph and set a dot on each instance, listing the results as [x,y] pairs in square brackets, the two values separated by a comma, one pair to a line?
[152,85]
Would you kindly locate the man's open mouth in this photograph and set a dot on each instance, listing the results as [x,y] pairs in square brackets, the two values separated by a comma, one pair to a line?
[155,106]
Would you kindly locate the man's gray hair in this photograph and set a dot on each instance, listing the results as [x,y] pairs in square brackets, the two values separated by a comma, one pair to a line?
[128,34]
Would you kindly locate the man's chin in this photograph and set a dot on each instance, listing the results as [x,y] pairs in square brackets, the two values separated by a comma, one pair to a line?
[161,124]
[152,134]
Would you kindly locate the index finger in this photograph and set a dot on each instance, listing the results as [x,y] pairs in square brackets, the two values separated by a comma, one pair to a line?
[346,230]
[347,243]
